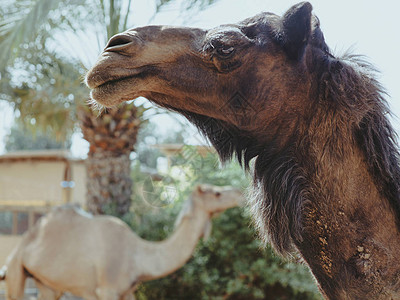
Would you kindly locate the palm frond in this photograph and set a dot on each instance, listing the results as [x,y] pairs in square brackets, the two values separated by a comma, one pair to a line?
[20,26]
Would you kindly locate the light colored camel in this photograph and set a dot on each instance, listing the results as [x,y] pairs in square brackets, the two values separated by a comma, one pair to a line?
[99,257]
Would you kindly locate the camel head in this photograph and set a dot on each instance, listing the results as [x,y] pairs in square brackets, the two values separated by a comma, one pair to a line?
[211,200]
[216,199]
[245,79]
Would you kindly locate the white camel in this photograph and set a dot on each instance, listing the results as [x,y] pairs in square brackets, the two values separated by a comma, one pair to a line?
[100,257]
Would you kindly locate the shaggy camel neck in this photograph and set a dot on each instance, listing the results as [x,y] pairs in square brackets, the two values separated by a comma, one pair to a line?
[351,236]
[166,256]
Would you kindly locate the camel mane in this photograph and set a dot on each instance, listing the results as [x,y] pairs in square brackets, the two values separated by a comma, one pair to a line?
[353,86]
[349,90]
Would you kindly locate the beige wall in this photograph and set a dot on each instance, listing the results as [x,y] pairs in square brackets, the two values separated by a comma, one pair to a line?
[40,181]
[79,178]
[25,181]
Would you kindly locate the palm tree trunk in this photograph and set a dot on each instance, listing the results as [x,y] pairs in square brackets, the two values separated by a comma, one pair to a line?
[112,136]
[109,185]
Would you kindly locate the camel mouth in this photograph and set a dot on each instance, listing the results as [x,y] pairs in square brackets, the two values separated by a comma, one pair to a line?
[98,78]
[111,89]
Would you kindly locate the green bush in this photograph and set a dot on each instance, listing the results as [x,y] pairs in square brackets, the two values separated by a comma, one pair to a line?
[232,263]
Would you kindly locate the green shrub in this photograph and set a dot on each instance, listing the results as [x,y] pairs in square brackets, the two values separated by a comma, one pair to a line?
[232,263]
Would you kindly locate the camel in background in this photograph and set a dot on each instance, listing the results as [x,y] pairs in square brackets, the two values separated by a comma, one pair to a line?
[268,89]
[100,257]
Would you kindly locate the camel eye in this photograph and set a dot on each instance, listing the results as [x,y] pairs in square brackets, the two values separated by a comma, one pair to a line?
[225,51]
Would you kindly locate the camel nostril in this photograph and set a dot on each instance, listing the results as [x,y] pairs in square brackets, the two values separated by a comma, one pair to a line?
[118,41]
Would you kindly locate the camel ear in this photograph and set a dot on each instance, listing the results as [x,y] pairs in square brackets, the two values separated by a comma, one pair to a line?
[200,189]
[296,29]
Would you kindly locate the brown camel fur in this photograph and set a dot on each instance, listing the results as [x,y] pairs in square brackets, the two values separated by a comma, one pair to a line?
[326,164]
[100,257]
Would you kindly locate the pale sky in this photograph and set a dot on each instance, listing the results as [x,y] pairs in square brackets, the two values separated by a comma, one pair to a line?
[370,28]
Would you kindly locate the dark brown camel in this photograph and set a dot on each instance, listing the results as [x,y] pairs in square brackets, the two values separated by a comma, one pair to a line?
[326,166]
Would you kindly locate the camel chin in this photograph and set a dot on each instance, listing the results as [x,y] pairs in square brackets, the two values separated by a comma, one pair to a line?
[114,92]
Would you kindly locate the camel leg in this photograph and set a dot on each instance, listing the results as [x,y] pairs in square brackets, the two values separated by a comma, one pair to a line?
[15,282]
[46,293]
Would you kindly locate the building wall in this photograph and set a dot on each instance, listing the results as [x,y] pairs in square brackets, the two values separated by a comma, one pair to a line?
[31,181]
[79,178]
[40,181]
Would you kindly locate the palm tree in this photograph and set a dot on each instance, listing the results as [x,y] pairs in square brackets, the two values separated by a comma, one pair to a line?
[45,94]
[26,26]
[112,137]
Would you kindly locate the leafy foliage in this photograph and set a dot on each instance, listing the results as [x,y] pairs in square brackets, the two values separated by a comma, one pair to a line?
[149,136]
[19,22]
[49,106]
